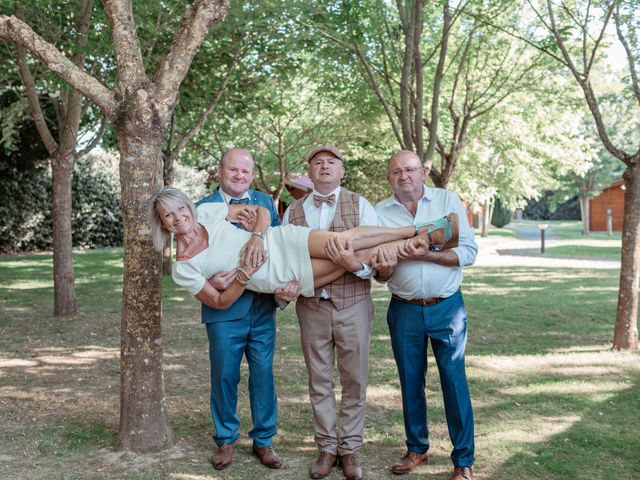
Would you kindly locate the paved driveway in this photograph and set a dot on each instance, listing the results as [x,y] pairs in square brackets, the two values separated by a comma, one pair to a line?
[524,251]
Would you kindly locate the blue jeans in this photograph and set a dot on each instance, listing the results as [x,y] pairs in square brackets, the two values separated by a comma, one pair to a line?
[254,336]
[445,323]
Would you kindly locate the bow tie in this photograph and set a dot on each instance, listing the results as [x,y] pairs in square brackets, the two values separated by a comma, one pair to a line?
[318,200]
[235,201]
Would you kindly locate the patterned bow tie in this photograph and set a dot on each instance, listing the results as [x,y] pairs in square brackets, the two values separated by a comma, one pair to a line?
[235,201]
[318,200]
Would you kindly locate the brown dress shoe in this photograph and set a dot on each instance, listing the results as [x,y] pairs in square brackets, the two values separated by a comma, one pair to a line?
[223,457]
[323,465]
[268,457]
[350,467]
[409,462]
[462,473]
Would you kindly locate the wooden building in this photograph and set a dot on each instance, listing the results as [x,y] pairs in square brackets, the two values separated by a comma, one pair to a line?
[611,197]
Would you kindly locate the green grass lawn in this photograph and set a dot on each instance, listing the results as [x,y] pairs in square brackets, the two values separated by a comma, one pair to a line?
[551,400]
[565,240]
[569,230]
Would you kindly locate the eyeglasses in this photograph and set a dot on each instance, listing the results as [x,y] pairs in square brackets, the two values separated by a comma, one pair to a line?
[409,171]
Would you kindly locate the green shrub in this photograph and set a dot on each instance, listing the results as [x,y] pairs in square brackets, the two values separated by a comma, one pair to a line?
[501,215]
[25,215]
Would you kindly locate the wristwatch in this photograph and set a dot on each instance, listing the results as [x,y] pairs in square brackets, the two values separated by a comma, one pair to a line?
[258,234]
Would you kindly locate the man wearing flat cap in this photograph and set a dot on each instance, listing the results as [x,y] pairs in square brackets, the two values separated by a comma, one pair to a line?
[337,321]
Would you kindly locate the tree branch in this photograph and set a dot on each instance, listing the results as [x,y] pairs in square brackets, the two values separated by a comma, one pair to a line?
[193,131]
[437,85]
[95,140]
[632,67]
[131,72]
[34,103]
[15,30]
[198,19]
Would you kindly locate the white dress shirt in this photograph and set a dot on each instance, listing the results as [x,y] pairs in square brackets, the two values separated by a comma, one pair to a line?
[417,279]
[321,218]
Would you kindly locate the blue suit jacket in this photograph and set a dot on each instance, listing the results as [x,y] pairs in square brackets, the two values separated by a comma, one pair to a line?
[241,306]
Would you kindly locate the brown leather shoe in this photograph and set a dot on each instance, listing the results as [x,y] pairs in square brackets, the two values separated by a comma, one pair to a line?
[409,462]
[223,457]
[462,473]
[323,465]
[350,467]
[268,457]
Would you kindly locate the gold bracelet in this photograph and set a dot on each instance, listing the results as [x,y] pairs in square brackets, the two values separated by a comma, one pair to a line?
[244,272]
[240,281]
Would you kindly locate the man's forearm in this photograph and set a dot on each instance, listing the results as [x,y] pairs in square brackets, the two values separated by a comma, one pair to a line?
[447,258]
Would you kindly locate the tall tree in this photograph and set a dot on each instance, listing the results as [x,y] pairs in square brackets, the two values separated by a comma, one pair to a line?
[140,105]
[63,150]
[433,83]
[578,30]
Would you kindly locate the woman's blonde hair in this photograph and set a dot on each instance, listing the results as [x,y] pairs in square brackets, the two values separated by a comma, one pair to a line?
[168,197]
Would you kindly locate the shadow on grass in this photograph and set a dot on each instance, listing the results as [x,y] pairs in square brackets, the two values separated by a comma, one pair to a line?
[599,443]
[538,368]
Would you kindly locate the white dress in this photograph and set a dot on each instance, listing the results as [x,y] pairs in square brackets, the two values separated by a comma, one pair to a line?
[286,247]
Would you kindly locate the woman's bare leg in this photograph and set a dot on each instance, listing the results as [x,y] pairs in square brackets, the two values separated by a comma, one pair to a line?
[325,272]
[359,237]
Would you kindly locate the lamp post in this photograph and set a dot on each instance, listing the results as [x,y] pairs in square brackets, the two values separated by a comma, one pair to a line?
[542,227]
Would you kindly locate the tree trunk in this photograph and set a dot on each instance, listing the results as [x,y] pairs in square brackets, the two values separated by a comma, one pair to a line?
[64,293]
[168,175]
[585,213]
[486,218]
[144,423]
[625,335]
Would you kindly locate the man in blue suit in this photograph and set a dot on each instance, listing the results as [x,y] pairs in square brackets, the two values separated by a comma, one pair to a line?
[246,328]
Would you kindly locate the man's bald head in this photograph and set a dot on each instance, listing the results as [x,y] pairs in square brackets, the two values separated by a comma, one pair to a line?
[403,154]
[234,153]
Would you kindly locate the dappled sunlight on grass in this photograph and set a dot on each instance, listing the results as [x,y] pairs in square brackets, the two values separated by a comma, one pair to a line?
[381,338]
[478,289]
[30,285]
[185,476]
[540,429]
[17,362]
[46,358]
[384,396]
[563,387]
[293,399]
[606,362]
[583,348]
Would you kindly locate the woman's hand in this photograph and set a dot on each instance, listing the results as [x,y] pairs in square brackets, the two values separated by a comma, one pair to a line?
[252,253]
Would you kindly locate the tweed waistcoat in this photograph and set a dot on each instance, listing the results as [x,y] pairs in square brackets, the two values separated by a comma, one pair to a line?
[348,289]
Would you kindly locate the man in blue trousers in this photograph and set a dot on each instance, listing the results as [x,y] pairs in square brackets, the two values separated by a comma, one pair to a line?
[427,304]
[245,328]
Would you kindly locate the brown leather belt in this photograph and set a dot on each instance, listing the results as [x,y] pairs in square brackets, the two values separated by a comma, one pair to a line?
[423,302]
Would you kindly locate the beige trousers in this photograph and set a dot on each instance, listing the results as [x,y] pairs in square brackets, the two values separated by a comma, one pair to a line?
[324,333]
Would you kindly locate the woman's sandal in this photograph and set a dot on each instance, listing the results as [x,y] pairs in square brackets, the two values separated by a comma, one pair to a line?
[442,233]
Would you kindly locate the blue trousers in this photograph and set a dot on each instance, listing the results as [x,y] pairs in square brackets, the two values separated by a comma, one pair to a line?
[445,323]
[254,336]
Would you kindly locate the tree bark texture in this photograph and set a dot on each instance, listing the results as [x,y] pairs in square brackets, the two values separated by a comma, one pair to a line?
[486,218]
[64,292]
[585,213]
[625,334]
[144,422]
